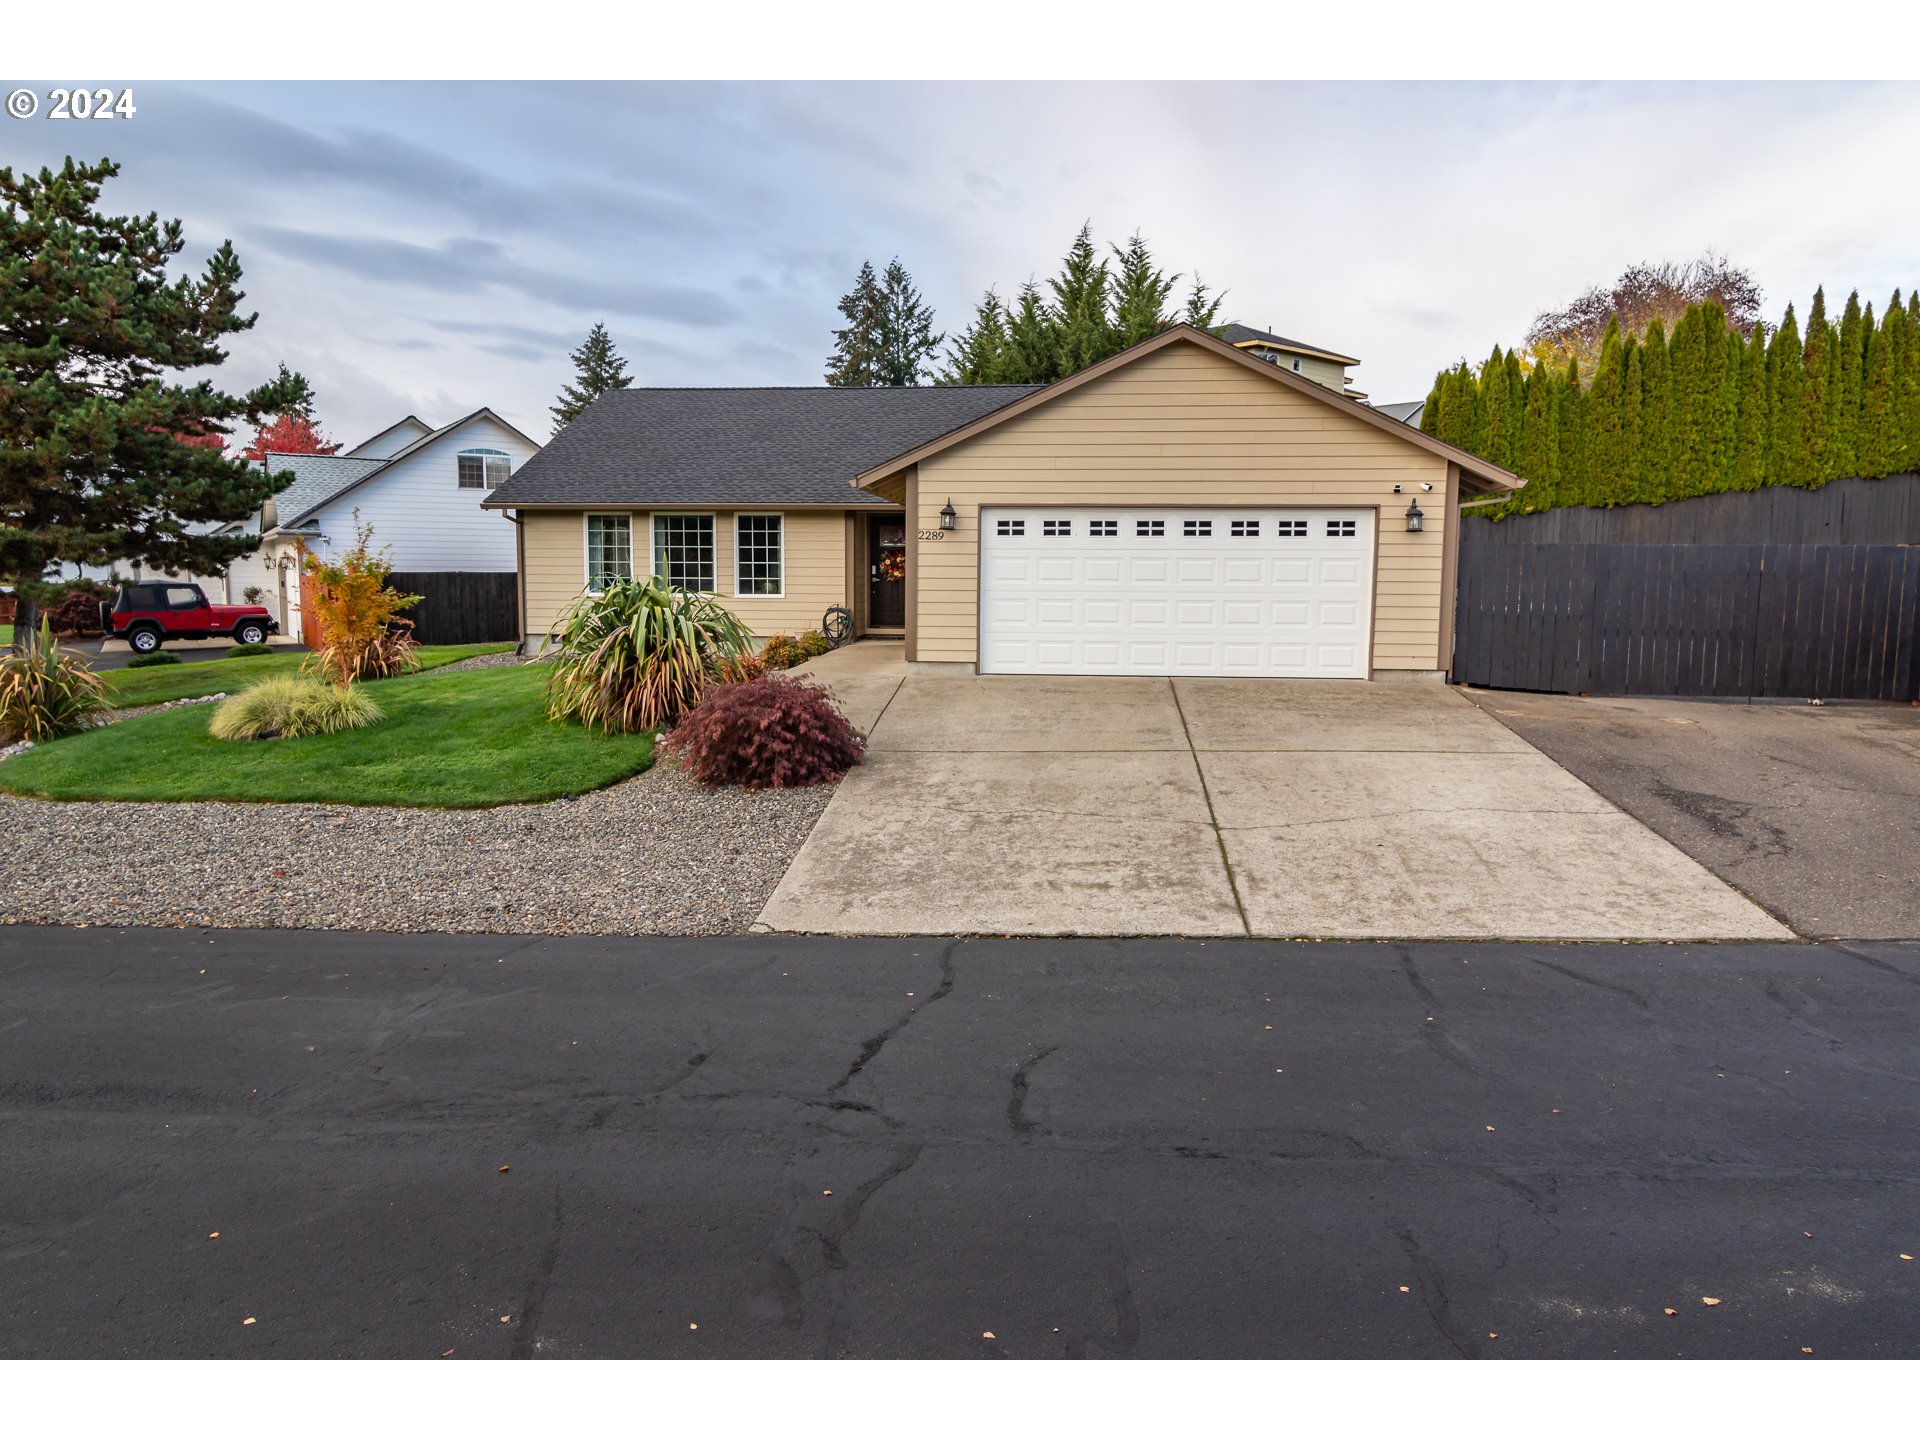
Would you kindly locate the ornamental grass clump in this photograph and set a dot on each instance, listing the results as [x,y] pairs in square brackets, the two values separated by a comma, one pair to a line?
[286,707]
[47,691]
[640,654]
[772,732]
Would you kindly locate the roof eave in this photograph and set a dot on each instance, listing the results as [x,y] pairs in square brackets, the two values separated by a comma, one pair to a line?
[1468,463]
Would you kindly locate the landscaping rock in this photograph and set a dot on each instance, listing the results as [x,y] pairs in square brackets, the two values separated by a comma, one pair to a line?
[652,856]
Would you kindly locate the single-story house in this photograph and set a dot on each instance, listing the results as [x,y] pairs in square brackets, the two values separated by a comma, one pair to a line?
[420,489]
[1181,508]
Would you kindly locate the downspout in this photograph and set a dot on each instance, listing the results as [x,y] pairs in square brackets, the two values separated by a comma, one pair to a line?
[519,577]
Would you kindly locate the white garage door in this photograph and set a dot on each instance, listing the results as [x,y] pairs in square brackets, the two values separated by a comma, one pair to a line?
[1175,592]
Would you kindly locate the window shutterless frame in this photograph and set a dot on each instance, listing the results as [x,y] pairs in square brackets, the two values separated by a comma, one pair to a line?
[480,469]
[685,542]
[759,555]
[608,550]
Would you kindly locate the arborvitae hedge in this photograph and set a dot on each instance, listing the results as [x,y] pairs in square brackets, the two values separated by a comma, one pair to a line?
[1701,410]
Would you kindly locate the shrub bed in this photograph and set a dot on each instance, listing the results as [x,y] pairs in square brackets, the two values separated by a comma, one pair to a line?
[766,733]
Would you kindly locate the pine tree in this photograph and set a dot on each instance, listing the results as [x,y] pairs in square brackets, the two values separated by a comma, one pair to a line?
[1139,294]
[1786,391]
[1539,449]
[597,368]
[1498,405]
[907,339]
[1083,335]
[855,360]
[978,355]
[1625,487]
[105,454]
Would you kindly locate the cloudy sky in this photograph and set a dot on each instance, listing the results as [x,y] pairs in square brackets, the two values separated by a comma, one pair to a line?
[436,247]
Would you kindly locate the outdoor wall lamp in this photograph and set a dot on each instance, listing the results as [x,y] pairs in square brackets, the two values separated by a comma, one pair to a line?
[949,519]
[1416,522]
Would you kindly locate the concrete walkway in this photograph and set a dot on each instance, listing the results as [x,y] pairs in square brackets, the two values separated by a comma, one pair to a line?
[1085,806]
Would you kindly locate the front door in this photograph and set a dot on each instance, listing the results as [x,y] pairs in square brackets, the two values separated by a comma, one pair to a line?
[886,572]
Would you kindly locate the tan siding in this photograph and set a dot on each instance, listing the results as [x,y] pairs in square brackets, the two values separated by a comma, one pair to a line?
[815,551]
[556,550]
[1184,425]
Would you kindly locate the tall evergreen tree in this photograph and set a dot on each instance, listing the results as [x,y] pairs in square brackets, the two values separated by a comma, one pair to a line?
[857,345]
[106,453]
[978,355]
[1139,294]
[1818,357]
[1843,402]
[1608,456]
[1786,389]
[1881,445]
[597,369]
[908,341]
[1032,355]
[1083,333]
[1655,469]
[1748,470]
[1203,307]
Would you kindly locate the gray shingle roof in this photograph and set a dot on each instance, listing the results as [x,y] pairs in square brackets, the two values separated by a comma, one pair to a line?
[316,480]
[741,447]
[1240,334]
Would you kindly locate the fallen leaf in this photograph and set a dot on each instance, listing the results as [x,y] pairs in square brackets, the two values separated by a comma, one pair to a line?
[826,1192]
[1489,1129]
[1493,1334]
[1807,1233]
[1406,1289]
[214,1235]
[986,1335]
[247,1321]
[1806,1349]
[506,1319]
[1905,1256]
[1708,1300]
[1670,1310]
[445,1354]
[1269,1027]
[692,1326]
[505,1168]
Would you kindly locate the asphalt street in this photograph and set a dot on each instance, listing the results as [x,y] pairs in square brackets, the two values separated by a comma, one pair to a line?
[244,1143]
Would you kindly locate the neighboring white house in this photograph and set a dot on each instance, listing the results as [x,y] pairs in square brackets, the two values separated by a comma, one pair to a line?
[419,488]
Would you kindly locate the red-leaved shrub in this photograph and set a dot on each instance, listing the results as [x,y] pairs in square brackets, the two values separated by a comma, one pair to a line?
[770,732]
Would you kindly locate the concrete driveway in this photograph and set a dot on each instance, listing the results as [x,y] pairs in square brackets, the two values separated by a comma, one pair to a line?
[1043,806]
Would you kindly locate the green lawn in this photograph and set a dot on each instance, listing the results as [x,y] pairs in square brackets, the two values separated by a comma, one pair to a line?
[151,686]
[477,738]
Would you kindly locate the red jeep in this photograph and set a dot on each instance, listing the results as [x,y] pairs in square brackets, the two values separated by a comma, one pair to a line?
[144,615]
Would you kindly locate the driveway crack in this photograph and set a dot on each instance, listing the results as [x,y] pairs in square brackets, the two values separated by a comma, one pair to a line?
[1213,819]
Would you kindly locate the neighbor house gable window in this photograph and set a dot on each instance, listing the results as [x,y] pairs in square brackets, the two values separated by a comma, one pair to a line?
[483,469]
[609,550]
[683,550]
[759,553]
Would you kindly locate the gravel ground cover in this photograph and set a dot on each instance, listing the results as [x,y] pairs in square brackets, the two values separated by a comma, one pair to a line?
[654,855]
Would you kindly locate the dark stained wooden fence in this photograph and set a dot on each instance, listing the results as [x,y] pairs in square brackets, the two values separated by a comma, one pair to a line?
[461,607]
[1771,593]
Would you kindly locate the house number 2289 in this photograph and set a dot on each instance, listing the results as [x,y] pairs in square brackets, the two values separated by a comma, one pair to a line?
[933,534]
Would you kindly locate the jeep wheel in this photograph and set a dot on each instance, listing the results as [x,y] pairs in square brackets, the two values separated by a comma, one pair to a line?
[144,640]
[250,632]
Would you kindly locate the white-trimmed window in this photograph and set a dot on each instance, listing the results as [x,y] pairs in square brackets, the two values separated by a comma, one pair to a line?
[683,551]
[609,550]
[483,469]
[759,555]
